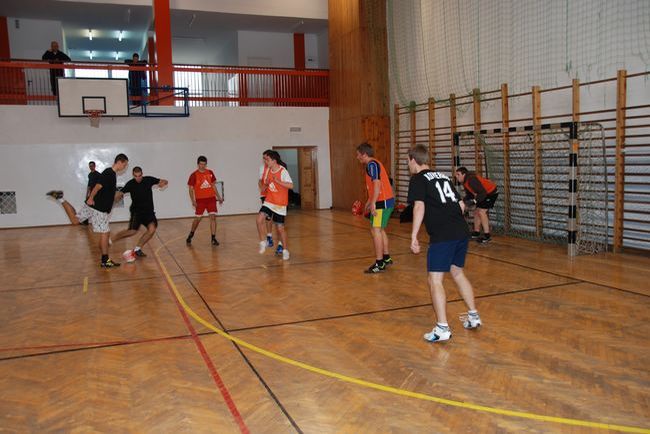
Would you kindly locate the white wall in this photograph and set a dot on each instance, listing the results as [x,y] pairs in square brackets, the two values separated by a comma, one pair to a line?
[41,151]
[255,46]
[290,158]
[323,50]
[221,50]
[33,37]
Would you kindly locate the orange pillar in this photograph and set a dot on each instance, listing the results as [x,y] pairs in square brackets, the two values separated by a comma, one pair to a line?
[12,80]
[163,44]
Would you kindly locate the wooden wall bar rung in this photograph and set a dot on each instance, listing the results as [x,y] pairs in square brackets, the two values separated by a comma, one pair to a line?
[505,124]
[432,136]
[619,169]
[537,144]
[478,163]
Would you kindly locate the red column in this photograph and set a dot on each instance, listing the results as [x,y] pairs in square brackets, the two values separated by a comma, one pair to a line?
[299,51]
[12,80]
[163,44]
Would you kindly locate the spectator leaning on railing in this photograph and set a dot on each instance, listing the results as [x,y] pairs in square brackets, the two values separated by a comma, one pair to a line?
[55,56]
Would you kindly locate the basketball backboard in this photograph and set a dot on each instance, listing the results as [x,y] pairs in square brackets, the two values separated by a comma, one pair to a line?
[79,96]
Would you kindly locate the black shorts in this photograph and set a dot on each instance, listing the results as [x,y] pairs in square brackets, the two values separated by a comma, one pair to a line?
[488,202]
[270,215]
[142,219]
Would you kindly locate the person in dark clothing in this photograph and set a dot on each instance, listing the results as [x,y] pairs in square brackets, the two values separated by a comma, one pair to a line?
[483,193]
[93,178]
[437,203]
[55,56]
[98,206]
[142,211]
[137,79]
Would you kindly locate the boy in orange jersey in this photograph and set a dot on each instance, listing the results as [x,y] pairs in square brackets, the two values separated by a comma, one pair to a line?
[204,196]
[380,205]
[483,193]
[277,184]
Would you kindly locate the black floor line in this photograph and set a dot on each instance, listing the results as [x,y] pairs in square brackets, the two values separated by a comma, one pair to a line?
[97,347]
[522,266]
[294,264]
[237,347]
[392,309]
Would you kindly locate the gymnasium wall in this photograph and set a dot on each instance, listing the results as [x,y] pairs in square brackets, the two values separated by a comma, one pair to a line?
[41,151]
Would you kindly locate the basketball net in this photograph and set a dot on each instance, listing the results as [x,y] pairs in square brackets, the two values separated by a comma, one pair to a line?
[94,116]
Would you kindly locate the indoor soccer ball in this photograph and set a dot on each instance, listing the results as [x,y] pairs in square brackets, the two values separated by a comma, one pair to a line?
[129,256]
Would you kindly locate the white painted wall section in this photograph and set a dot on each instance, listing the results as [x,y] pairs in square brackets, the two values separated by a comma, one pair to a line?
[41,151]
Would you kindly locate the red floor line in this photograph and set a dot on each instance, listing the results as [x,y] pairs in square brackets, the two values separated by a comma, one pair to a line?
[206,358]
[91,344]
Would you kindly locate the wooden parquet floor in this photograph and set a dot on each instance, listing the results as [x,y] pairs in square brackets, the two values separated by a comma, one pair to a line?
[562,338]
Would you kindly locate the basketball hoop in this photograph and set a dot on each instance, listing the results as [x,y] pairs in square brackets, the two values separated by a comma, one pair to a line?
[94,116]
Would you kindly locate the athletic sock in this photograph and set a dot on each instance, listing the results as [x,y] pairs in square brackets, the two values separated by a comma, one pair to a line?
[442,325]
[269,234]
[472,312]
[191,234]
[104,259]
[60,200]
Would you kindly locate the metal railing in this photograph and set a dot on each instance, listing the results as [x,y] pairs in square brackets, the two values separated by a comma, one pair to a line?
[28,82]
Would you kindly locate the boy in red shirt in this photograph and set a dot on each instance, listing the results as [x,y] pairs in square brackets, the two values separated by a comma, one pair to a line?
[204,196]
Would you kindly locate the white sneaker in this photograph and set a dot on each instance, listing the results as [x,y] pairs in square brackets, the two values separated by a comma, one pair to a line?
[470,320]
[438,334]
[262,247]
[285,255]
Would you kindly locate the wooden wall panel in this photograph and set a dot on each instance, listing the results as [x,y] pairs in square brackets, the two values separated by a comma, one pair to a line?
[359,102]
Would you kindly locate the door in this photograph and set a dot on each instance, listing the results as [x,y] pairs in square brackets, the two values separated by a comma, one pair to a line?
[308,189]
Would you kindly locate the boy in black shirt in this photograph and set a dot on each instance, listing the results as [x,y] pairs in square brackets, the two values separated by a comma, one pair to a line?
[98,206]
[438,204]
[142,212]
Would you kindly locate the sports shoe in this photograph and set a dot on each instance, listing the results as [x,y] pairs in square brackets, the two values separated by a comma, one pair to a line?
[215,242]
[388,261]
[484,240]
[262,247]
[470,320]
[140,253]
[280,249]
[476,235]
[188,241]
[269,241]
[438,334]
[376,268]
[110,264]
[55,194]
[285,255]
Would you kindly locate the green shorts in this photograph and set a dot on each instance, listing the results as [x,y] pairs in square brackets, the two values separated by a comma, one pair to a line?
[381,219]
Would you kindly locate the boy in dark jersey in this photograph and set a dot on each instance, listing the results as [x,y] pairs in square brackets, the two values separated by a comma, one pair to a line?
[98,206]
[142,211]
[438,204]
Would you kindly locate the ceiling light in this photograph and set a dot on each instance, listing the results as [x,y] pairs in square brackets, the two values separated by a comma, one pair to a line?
[119,38]
[191,21]
[117,55]
[90,34]
[91,55]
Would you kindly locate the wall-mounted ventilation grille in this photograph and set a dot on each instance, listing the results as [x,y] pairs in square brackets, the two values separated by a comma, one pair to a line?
[8,202]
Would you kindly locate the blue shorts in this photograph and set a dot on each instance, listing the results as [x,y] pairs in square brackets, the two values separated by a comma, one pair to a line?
[441,256]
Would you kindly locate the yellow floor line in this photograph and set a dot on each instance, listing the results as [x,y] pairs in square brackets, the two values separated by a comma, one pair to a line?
[390,389]
[85,284]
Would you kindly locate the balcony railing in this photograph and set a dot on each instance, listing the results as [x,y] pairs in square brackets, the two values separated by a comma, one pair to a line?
[27,82]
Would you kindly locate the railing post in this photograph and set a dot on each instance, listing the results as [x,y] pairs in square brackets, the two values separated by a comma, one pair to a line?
[619,188]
